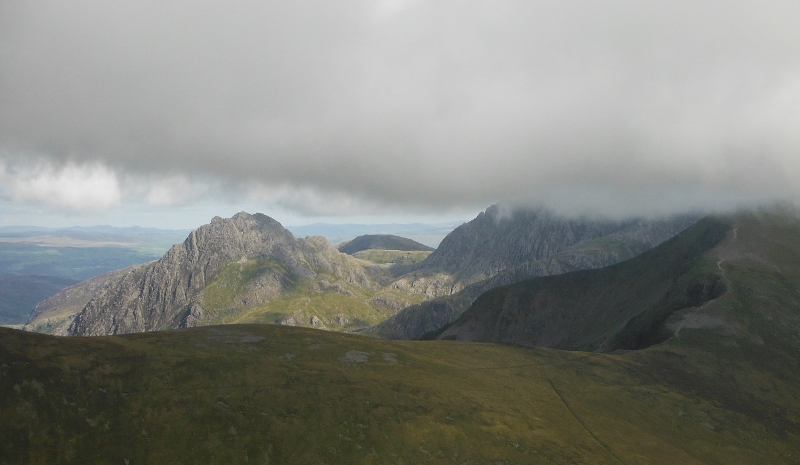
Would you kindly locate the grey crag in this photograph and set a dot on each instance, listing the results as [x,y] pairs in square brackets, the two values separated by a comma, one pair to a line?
[260,259]
[502,246]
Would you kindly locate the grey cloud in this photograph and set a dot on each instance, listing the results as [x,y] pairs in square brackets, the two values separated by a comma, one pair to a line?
[618,107]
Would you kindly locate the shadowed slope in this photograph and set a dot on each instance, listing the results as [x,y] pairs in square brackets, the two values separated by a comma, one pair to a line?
[621,306]
[499,248]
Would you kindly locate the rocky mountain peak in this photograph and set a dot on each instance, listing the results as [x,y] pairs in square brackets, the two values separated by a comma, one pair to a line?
[504,237]
[154,296]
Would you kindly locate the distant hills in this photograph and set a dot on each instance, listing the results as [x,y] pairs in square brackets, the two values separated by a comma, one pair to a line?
[382,242]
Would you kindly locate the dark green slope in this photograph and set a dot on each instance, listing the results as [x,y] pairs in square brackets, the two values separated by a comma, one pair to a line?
[382,242]
[618,307]
[738,276]
[270,394]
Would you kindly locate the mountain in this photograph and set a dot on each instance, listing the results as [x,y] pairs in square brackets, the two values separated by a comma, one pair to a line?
[244,269]
[381,242]
[503,246]
[504,239]
[714,311]
[733,275]
[249,269]
[695,359]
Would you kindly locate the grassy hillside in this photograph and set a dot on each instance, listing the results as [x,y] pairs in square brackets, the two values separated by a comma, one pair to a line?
[392,257]
[238,292]
[272,394]
[382,242]
[738,275]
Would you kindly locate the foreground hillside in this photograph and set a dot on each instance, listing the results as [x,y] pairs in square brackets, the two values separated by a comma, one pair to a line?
[272,394]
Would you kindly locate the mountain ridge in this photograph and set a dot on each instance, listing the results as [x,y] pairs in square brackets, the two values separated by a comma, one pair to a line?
[169,293]
[725,272]
[451,294]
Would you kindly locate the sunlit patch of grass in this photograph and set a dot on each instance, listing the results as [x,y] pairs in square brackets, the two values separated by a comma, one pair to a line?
[400,257]
[341,306]
[219,296]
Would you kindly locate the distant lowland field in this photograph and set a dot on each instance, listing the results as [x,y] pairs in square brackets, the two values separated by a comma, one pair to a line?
[36,263]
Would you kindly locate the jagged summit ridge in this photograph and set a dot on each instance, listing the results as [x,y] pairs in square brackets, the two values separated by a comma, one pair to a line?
[164,294]
[504,245]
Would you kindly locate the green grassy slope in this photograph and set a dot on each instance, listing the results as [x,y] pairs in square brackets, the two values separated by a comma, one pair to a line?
[271,394]
[736,277]
[399,257]
[382,242]
[259,291]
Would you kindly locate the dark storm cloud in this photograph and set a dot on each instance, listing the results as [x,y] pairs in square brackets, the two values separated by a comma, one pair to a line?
[614,106]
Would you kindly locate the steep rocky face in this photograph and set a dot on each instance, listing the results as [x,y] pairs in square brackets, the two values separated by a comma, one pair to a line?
[502,240]
[515,246]
[620,307]
[169,292]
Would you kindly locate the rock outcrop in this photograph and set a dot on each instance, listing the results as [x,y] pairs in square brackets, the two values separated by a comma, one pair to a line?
[168,293]
[618,307]
[503,246]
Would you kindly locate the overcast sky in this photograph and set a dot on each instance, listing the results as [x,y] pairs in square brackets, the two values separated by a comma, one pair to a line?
[167,113]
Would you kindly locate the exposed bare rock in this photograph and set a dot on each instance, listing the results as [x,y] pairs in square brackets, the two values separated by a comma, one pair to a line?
[504,246]
[167,293]
[391,303]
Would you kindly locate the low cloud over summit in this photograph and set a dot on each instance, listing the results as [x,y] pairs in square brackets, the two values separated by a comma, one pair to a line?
[357,106]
